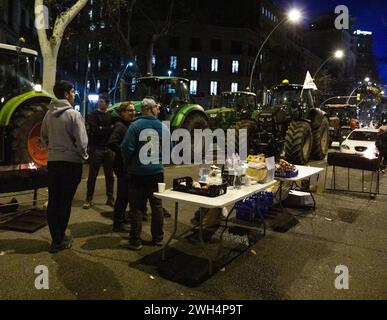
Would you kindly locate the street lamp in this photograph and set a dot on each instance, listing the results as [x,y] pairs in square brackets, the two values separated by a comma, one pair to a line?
[367,79]
[169,73]
[339,54]
[293,16]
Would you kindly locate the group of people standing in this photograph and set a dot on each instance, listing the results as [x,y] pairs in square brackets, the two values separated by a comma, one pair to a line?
[112,142]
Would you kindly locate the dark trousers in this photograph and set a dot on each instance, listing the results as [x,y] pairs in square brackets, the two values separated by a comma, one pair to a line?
[63,180]
[143,188]
[98,157]
[124,196]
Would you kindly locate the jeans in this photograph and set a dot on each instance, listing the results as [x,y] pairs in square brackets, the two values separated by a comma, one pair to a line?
[143,188]
[63,180]
[105,157]
[124,197]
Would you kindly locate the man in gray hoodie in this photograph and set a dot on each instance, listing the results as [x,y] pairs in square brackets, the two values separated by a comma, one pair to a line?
[64,133]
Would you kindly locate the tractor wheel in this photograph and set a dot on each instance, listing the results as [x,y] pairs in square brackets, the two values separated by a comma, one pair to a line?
[320,140]
[298,142]
[24,136]
[244,124]
[195,121]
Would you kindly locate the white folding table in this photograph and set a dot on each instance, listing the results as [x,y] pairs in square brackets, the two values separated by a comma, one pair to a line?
[230,198]
[304,172]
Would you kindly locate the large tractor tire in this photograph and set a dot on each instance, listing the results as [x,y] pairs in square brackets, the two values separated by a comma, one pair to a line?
[24,136]
[320,140]
[298,142]
[192,122]
[250,125]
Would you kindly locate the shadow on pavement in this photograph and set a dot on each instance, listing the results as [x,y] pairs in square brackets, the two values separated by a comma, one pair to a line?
[87,279]
[24,246]
[88,229]
[102,243]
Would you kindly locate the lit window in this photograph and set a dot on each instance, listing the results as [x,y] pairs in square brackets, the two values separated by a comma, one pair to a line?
[88,84]
[193,87]
[102,25]
[214,87]
[98,84]
[194,64]
[214,65]
[100,46]
[91,14]
[234,87]
[235,66]
[89,47]
[89,64]
[154,59]
[263,10]
[99,64]
[173,62]
[92,27]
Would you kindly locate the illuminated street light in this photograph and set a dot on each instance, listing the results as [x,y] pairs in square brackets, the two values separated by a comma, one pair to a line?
[292,16]
[339,54]
[367,79]
[169,73]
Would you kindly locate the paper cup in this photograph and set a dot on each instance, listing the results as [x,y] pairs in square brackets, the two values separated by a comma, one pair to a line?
[161,186]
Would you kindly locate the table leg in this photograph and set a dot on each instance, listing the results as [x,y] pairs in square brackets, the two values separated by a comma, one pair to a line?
[202,241]
[173,232]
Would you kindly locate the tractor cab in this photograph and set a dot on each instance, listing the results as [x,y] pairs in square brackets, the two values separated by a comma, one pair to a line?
[17,66]
[171,93]
[293,98]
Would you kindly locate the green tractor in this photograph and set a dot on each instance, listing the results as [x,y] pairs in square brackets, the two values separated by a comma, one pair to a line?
[173,95]
[23,106]
[235,107]
[290,126]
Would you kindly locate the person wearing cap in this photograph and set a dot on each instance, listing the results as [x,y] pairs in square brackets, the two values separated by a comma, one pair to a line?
[63,132]
[146,170]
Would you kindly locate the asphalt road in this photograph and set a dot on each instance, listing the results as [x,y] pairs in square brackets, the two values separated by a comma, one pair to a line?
[347,229]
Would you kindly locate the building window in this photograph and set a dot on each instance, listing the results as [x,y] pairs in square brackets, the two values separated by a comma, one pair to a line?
[193,87]
[88,84]
[214,88]
[89,65]
[196,44]
[236,47]
[216,45]
[91,14]
[99,64]
[234,87]
[194,64]
[98,84]
[214,65]
[154,59]
[100,46]
[174,42]
[235,66]
[173,62]
[263,11]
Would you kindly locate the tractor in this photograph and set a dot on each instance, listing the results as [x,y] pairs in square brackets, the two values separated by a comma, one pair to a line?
[175,104]
[290,126]
[342,120]
[23,106]
[235,107]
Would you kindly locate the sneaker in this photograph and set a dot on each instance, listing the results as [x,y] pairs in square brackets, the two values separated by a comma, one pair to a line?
[131,246]
[120,227]
[110,202]
[87,204]
[157,243]
[65,244]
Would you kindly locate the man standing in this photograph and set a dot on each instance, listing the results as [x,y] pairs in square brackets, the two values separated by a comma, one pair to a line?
[64,133]
[143,160]
[126,112]
[100,128]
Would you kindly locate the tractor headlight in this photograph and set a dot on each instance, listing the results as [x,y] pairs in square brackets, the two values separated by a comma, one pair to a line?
[212,115]
[345,147]
[38,88]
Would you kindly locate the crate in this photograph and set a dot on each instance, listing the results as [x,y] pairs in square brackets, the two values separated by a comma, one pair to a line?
[286,174]
[212,191]
[255,207]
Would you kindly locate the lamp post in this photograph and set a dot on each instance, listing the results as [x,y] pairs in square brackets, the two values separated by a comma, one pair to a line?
[293,16]
[366,80]
[339,54]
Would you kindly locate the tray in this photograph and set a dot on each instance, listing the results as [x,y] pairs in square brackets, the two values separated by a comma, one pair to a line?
[212,191]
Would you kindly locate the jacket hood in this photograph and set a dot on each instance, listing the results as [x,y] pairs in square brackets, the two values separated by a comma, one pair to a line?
[57,107]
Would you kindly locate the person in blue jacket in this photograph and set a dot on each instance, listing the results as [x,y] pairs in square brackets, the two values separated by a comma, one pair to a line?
[141,152]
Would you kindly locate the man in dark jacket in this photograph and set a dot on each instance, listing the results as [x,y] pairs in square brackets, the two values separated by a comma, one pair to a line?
[100,128]
[146,170]
[64,133]
[126,112]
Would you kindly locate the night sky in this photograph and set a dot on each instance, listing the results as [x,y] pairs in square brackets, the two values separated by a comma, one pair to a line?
[370,15]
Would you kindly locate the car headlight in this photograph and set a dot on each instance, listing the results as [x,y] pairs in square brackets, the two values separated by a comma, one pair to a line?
[345,147]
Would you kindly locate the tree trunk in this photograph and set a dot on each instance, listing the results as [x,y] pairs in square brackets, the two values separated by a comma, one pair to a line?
[49,72]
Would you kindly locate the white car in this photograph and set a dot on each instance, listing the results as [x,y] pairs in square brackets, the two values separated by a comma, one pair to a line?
[361,142]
